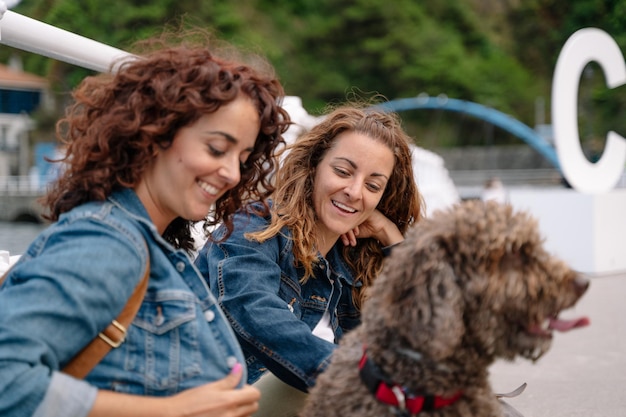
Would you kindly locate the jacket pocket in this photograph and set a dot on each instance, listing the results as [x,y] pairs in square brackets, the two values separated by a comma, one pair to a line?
[165,311]
[162,349]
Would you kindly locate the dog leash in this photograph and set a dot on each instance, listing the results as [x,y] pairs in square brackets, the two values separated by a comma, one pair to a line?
[517,391]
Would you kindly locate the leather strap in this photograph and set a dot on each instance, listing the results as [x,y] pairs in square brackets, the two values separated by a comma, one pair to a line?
[112,337]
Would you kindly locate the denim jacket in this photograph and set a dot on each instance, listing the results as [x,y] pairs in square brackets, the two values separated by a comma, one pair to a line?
[272,312]
[76,277]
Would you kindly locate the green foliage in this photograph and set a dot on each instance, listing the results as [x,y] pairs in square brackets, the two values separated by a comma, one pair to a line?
[497,53]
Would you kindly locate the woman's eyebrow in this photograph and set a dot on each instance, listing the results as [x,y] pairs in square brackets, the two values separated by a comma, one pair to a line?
[230,138]
[349,161]
[227,136]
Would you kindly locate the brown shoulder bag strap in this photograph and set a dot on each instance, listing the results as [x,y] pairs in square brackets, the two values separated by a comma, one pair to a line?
[112,337]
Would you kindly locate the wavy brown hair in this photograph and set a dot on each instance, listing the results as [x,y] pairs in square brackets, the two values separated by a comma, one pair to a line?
[117,122]
[293,198]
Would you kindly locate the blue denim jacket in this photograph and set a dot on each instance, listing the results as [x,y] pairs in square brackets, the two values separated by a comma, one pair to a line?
[76,277]
[272,313]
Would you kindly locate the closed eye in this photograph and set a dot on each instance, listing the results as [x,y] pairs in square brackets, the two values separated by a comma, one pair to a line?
[341,172]
[215,152]
[374,187]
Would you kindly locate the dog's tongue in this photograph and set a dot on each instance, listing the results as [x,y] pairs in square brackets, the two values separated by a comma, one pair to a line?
[565,325]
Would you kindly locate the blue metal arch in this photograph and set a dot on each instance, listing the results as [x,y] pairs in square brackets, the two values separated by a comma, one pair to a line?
[479,111]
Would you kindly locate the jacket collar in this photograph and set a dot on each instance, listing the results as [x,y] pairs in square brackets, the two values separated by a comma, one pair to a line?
[334,257]
[339,265]
[126,199]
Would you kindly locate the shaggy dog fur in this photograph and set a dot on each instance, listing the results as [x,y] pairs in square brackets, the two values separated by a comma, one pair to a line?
[467,286]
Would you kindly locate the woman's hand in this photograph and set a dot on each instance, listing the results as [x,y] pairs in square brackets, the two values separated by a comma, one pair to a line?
[216,399]
[377,226]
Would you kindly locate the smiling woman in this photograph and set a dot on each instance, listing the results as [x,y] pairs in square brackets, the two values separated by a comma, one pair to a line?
[202,164]
[292,276]
[349,183]
[179,132]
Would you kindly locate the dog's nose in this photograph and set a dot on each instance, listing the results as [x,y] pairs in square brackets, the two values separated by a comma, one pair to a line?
[580,284]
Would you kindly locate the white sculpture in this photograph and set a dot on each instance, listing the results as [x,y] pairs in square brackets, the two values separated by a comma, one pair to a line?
[584,46]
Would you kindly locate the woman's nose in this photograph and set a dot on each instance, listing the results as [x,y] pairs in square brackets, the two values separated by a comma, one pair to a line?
[353,190]
[230,172]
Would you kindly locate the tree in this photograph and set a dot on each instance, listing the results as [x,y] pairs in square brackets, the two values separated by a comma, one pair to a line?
[500,53]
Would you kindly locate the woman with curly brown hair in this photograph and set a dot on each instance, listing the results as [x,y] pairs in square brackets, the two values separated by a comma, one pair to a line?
[291,278]
[174,135]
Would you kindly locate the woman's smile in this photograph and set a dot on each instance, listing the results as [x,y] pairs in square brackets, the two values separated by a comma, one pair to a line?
[343,207]
[349,182]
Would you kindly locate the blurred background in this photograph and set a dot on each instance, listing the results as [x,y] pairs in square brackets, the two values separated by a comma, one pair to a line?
[499,54]
[494,56]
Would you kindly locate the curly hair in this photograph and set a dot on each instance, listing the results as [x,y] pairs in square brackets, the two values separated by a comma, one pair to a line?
[293,198]
[118,121]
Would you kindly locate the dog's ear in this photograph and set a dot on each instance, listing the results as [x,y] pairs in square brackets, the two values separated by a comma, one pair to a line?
[425,295]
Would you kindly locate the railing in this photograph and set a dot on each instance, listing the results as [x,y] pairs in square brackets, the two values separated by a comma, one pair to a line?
[22,185]
[31,35]
[507,176]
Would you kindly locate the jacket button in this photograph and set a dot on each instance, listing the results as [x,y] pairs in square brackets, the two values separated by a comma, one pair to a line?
[231,361]
[180,266]
[209,315]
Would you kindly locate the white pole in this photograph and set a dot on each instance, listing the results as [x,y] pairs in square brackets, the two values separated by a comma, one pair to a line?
[37,37]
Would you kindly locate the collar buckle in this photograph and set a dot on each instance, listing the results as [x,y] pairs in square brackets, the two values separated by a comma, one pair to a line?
[400,397]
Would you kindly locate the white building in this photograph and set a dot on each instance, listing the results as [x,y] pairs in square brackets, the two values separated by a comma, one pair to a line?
[21,93]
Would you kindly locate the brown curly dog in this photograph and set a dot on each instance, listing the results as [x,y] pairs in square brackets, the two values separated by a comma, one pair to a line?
[467,286]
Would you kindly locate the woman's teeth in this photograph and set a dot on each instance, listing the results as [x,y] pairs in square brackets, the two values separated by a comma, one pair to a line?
[343,207]
[208,188]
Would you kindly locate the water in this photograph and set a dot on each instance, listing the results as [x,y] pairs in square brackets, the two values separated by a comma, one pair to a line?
[15,237]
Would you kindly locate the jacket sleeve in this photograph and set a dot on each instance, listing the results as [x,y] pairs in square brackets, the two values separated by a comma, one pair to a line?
[245,277]
[63,291]
[66,396]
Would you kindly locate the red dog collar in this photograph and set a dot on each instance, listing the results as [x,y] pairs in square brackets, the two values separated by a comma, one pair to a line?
[395,395]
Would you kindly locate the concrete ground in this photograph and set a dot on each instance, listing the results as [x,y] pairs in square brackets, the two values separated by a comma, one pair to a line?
[584,374]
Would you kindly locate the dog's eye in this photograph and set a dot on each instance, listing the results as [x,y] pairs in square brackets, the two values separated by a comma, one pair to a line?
[513,260]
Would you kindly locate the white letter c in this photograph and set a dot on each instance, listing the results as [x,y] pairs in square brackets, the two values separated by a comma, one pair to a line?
[584,46]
